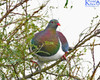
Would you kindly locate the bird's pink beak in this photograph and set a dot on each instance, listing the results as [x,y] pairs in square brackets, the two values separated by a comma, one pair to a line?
[58,24]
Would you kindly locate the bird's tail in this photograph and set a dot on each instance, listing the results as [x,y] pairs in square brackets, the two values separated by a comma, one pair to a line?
[70,48]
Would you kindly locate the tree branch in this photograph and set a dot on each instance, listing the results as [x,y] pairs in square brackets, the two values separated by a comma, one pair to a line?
[43,70]
[17,21]
[69,75]
[16,30]
[89,34]
[15,71]
[92,76]
[98,78]
[98,44]
[9,11]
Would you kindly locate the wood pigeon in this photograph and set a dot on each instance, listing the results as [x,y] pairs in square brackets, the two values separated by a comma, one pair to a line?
[47,43]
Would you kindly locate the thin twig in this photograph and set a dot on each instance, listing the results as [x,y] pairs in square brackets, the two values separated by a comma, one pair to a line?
[43,70]
[88,34]
[18,27]
[13,22]
[75,77]
[98,44]
[9,11]
[15,71]
[98,78]
[92,52]
[5,75]
[92,76]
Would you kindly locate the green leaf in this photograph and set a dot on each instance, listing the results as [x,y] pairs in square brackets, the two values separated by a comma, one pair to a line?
[3,78]
[71,7]
[43,52]
[66,4]
[48,43]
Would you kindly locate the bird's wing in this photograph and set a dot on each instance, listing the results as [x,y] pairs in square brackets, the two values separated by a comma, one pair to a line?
[32,42]
[63,41]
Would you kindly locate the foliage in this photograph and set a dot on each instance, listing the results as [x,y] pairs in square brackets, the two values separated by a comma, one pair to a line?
[17,27]
[66,3]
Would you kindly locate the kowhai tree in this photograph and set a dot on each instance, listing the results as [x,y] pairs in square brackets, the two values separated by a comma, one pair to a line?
[19,21]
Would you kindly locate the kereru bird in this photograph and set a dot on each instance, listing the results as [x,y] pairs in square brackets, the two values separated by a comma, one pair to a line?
[47,43]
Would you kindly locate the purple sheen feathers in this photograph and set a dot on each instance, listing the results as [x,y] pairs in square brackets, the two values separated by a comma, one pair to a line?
[64,42]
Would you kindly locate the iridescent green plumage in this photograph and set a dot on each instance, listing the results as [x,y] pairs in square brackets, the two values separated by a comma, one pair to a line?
[47,40]
[46,44]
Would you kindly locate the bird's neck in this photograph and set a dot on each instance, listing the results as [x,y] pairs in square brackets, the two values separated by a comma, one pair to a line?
[51,27]
[52,30]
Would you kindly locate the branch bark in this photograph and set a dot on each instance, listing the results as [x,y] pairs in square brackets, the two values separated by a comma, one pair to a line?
[43,70]
[9,11]
[18,27]
[98,44]
[75,77]
[89,34]
[95,71]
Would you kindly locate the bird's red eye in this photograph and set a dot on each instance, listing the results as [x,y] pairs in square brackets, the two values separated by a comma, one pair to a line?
[51,22]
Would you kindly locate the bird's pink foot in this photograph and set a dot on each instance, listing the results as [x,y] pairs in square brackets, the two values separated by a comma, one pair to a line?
[34,62]
[64,56]
[36,65]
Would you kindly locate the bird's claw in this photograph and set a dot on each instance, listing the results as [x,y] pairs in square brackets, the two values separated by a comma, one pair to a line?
[36,66]
[64,56]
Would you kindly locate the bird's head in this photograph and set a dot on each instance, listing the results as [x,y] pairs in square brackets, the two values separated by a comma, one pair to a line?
[53,24]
